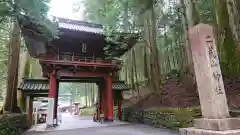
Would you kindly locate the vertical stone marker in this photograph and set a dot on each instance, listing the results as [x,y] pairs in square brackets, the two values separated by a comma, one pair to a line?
[210,86]
[208,73]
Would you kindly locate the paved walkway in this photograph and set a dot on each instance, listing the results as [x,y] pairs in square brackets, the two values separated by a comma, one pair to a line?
[75,125]
[110,130]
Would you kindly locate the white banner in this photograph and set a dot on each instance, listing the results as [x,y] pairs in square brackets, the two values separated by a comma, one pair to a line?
[50,111]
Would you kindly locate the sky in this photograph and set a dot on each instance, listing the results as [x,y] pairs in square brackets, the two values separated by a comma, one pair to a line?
[63,8]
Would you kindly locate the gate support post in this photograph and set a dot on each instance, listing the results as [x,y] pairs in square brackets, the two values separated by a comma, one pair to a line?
[30,109]
[55,116]
[52,96]
[109,99]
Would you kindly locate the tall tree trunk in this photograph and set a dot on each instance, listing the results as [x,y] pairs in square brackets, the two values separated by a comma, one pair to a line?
[146,75]
[136,77]
[233,7]
[150,34]
[125,18]
[13,64]
[227,47]
[191,12]
[190,17]
[126,70]
[155,56]
[93,94]
[23,72]
[132,76]
[89,95]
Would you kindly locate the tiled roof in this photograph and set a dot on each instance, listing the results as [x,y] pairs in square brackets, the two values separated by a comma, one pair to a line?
[79,26]
[38,85]
[120,86]
[34,85]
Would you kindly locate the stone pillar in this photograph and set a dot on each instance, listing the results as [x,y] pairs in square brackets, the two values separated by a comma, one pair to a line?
[210,86]
[109,99]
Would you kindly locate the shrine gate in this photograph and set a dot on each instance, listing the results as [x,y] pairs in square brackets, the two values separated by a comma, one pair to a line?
[80,54]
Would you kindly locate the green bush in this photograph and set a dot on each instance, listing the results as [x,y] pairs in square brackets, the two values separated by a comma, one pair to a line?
[172,118]
[13,124]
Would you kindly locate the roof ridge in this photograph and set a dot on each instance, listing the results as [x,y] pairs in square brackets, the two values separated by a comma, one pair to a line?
[78,22]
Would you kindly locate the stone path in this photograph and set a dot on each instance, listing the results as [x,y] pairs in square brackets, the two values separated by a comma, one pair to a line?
[75,125]
[134,129]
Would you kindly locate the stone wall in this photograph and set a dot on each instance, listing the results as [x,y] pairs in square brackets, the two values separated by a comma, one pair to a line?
[171,118]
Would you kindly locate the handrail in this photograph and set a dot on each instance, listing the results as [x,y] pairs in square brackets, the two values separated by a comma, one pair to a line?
[85,59]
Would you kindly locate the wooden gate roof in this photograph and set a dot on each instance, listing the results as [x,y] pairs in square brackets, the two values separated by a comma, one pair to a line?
[73,32]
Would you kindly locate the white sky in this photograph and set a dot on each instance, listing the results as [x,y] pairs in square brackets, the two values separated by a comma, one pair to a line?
[63,8]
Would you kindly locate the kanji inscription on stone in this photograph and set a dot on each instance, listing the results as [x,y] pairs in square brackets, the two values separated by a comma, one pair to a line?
[216,76]
[212,54]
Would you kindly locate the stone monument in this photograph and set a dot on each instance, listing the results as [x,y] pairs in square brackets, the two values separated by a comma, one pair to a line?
[214,107]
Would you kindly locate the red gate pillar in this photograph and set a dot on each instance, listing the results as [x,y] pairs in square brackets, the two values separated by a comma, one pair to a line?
[52,87]
[119,105]
[109,99]
[52,90]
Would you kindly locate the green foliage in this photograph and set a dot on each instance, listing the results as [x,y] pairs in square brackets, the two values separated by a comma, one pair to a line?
[172,118]
[207,12]
[105,12]
[142,6]
[26,12]
[4,40]
[29,11]
[13,124]
[87,111]
[73,88]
